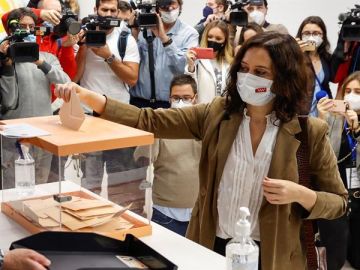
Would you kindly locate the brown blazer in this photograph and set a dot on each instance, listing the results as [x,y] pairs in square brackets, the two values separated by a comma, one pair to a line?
[279,224]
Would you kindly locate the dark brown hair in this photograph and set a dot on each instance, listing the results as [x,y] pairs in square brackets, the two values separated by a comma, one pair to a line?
[182,80]
[19,13]
[324,48]
[251,26]
[290,83]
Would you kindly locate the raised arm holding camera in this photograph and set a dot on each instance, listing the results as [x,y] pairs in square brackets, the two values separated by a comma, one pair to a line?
[163,44]
[25,81]
[100,66]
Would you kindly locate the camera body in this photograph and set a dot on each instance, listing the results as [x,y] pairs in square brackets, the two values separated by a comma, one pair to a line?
[146,16]
[351,24]
[20,50]
[238,16]
[68,23]
[97,38]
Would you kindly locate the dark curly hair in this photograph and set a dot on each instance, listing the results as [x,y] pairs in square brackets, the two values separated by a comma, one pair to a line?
[291,83]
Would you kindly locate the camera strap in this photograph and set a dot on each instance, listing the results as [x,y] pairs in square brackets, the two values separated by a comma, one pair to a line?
[122,43]
[149,39]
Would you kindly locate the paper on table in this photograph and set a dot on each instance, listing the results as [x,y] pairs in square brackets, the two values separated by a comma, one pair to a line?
[22,130]
[98,211]
[84,204]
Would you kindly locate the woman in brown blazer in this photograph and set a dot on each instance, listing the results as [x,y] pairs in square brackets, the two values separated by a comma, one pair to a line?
[249,151]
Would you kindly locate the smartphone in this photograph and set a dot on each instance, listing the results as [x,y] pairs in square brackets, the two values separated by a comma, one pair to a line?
[204,53]
[310,46]
[339,106]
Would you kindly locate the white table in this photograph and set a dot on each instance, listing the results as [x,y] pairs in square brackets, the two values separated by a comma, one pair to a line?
[186,254]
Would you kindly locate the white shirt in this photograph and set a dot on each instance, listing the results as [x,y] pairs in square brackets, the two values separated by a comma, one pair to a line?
[99,77]
[241,182]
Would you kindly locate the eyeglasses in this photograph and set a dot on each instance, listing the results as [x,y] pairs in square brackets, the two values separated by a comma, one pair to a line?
[308,34]
[185,99]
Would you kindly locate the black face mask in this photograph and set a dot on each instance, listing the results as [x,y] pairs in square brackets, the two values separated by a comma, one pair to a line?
[215,45]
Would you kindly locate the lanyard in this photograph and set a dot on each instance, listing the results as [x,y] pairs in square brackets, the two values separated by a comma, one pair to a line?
[352,142]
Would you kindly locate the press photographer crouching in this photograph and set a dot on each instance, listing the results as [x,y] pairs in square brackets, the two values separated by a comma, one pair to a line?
[342,116]
[25,86]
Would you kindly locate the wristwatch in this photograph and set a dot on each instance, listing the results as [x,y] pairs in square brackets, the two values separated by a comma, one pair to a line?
[167,43]
[2,255]
[110,59]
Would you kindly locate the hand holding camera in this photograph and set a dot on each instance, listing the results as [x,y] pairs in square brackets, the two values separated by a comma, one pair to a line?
[190,59]
[335,106]
[159,30]
[306,46]
[52,16]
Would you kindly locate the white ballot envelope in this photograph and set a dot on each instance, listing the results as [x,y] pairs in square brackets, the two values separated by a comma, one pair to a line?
[71,113]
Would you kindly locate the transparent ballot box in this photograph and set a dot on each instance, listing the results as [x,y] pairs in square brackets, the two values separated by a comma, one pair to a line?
[89,180]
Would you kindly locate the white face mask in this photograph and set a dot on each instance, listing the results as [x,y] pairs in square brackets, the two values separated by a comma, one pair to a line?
[257,17]
[353,100]
[180,104]
[170,16]
[254,90]
[317,39]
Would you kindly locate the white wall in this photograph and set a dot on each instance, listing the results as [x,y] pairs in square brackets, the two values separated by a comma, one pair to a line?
[288,12]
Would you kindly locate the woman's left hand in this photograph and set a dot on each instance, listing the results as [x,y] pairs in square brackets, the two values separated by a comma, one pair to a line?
[278,191]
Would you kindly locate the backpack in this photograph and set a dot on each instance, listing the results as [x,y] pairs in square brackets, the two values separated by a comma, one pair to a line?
[122,43]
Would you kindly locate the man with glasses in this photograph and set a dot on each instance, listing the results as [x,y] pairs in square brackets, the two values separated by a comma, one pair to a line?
[172,39]
[176,165]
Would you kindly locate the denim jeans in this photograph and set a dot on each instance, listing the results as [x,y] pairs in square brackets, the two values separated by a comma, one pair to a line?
[174,225]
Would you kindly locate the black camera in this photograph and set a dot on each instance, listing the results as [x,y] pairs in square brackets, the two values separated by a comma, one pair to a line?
[238,16]
[68,23]
[97,38]
[350,24]
[146,16]
[20,50]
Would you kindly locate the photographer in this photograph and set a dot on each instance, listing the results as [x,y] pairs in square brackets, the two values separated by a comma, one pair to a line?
[172,40]
[211,74]
[55,43]
[218,9]
[25,87]
[344,136]
[313,40]
[103,70]
[257,11]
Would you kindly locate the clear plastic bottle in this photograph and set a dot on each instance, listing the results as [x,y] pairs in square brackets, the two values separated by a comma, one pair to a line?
[25,172]
[242,253]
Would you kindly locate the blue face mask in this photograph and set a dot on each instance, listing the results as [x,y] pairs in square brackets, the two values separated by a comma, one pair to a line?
[207,11]
[30,38]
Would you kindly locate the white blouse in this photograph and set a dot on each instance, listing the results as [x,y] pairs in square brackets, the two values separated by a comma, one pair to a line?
[241,181]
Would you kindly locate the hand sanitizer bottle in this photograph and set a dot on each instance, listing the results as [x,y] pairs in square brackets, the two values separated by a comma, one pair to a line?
[242,253]
[24,171]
